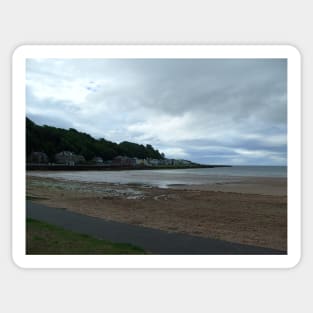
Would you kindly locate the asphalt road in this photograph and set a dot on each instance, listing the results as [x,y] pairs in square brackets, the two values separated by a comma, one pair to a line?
[152,240]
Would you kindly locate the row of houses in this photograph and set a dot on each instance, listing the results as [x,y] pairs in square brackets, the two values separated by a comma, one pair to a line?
[133,162]
[64,157]
[69,158]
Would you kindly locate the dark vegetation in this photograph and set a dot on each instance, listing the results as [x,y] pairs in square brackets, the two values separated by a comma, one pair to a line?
[52,140]
[43,238]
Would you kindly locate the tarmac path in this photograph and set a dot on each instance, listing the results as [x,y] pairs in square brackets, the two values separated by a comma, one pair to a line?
[151,240]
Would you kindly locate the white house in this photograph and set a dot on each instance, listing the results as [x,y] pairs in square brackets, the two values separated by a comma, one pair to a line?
[65,157]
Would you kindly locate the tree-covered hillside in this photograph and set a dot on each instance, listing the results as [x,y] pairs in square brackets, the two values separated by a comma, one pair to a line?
[52,140]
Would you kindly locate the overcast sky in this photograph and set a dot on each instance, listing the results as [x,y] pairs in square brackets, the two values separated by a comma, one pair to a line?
[214,111]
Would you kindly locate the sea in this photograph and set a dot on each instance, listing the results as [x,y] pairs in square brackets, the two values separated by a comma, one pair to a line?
[166,177]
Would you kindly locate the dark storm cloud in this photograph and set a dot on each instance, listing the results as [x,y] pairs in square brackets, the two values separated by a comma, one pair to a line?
[215,110]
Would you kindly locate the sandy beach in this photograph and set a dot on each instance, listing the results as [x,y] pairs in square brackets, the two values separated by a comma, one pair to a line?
[242,213]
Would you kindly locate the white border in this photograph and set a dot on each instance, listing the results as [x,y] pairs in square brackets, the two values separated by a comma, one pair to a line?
[156,261]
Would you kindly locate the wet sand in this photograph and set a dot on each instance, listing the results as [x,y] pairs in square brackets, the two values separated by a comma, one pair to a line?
[252,211]
[249,185]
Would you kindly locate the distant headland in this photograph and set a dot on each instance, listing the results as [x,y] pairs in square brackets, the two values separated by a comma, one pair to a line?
[52,148]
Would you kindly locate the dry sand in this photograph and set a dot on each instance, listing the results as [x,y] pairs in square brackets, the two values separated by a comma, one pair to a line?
[253,211]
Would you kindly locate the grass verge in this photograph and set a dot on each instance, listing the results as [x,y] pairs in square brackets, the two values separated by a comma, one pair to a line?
[43,238]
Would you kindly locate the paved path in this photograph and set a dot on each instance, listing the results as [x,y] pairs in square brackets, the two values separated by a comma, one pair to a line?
[152,240]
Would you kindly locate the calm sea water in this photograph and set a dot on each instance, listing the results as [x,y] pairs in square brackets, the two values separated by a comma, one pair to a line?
[164,178]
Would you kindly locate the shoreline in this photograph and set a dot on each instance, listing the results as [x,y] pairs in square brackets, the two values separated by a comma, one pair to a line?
[91,167]
[239,184]
[246,218]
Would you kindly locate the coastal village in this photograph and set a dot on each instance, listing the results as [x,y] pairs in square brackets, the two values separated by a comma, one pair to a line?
[68,158]
[51,148]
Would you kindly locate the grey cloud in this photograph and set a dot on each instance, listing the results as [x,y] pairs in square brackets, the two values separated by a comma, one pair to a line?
[229,104]
[43,119]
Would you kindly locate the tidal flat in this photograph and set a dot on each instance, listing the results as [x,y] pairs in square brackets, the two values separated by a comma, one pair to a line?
[240,212]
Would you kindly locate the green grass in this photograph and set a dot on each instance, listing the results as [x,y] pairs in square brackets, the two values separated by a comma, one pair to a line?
[43,238]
